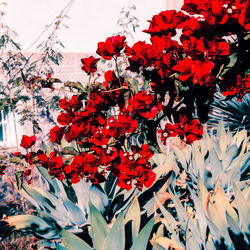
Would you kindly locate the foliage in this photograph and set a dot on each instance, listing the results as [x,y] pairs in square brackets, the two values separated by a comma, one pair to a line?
[110,136]
[234,114]
[24,77]
[127,22]
[207,198]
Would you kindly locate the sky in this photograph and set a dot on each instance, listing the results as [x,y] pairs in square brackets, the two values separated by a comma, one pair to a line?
[91,21]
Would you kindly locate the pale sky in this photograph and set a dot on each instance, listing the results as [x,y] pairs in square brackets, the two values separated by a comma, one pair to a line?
[91,21]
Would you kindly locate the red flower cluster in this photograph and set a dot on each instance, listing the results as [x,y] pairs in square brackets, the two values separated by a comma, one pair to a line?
[241,88]
[118,114]
[89,64]
[144,105]
[187,131]
[111,47]
[28,141]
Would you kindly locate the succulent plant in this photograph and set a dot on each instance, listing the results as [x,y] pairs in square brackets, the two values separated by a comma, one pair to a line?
[211,222]
[124,232]
[216,157]
[207,205]
[61,207]
[234,113]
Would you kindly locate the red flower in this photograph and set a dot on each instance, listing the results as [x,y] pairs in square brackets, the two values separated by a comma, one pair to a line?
[29,157]
[166,22]
[144,105]
[127,123]
[100,138]
[192,46]
[28,141]
[217,49]
[111,47]
[188,131]
[27,172]
[56,134]
[241,88]
[199,72]
[142,55]
[2,168]
[74,104]
[89,64]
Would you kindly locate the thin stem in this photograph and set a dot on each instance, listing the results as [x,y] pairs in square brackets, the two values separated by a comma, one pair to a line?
[117,69]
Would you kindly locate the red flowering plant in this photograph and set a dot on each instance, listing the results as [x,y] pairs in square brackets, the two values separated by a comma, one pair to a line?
[113,127]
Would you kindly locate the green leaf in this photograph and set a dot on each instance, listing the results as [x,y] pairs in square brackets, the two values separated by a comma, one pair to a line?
[116,237]
[47,149]
[3,157]
[243,209]
[99,227]
[19,179]
[60,247]
[146,84]
[16,160]
[33,224]
[134,215]
[69,151]
[72,241]
[232,224]
[232,62]
[171,222]
[143,237]
[133,84]
[76,85]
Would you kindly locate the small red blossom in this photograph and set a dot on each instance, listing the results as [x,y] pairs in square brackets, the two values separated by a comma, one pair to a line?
[28,141]
[89,64]
[56,134]
[2,168]
[187,131]
[111,47]
[199,72]
[241,88]
[144,105]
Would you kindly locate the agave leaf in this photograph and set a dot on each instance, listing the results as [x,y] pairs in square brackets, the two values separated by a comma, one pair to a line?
[183,215]
[232,224]
[167,243]
[180,157]
[46,148]
[54,207]
[82,191]
[53,183]
[116,237]
[192,242]
[219,220]
[72,242]
[222,203]
[240,139]
[202,222]
[179,208]
[60,247]
[172,224]
[143,237]
[133,214]
[222,139]
[74,213]
[99,227]
[98,198]
[203,194]
[207,141]
[230,155]
[243,210]
[33,224]
[198,160]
